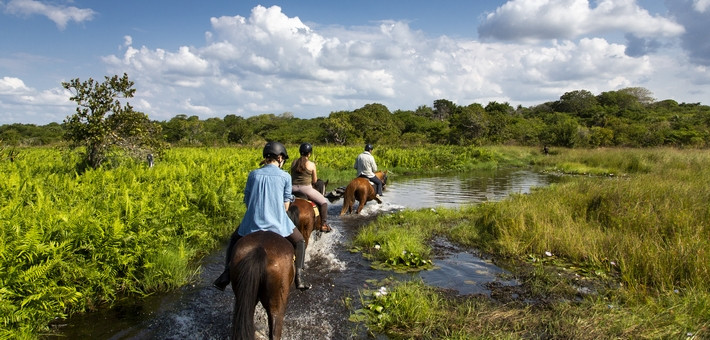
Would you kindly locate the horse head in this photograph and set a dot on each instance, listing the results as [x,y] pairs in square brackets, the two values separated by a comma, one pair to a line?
[319,185]
[382,175]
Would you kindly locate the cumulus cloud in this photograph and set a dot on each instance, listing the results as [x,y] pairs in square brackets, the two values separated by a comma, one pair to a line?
[20,103]
[12,85]
[60,15]
[272,63]
[523,20]
[701,5]
[269,62]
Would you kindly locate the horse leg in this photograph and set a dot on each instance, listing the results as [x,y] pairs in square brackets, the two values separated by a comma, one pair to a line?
[362,200]
[276,297]
[275,314]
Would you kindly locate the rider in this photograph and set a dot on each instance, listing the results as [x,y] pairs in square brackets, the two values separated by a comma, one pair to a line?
[267,195]
[366,168]
[303,175]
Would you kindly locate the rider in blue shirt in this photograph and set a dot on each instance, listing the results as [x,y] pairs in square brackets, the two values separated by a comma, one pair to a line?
[267,195]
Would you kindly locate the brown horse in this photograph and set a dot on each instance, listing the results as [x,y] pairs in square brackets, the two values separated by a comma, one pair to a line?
[305,214]
[261,270]
[362,190]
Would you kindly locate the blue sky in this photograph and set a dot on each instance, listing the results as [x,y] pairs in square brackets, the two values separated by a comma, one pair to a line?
[311,58]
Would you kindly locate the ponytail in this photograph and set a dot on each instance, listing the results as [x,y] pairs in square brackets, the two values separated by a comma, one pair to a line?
[300,164]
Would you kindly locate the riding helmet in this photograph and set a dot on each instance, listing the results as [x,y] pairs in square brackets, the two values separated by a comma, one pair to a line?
[368,147]
[305,149]
[274,149]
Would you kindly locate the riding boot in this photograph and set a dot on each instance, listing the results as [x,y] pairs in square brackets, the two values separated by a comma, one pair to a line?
[223,280]
[300,261]
[323,211]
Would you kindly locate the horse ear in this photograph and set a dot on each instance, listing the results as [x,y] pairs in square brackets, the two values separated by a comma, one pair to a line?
[326,182]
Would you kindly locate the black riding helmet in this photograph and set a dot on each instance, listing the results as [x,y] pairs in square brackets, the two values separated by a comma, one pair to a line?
[368,147]
[273,149]
[305,149]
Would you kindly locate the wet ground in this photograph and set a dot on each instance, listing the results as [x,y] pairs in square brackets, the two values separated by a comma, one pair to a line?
[199,311]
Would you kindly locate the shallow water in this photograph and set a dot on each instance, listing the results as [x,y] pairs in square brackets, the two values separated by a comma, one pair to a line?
[198,311]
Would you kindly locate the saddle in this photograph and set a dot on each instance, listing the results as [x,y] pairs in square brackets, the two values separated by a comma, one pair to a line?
[313,205]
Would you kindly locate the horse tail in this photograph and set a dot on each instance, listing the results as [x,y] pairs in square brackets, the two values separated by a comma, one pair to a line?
[348,198]
[250,271]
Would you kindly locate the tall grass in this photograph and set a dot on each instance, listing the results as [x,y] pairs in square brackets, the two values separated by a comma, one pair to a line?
[645,223]
[655,225]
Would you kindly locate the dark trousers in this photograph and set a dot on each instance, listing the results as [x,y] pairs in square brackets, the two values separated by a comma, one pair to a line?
[294,238]
[378,183]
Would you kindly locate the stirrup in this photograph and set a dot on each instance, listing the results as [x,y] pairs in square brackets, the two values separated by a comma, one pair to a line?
[300,283]
[304,286]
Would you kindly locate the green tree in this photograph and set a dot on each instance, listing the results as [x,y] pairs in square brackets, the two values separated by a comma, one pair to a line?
[469,125]
[239,131]
[443,109]
[373,122]
[102,121]
[337,128]
[581,103]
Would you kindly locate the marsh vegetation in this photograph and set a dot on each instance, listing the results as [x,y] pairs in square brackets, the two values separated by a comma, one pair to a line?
[618,249]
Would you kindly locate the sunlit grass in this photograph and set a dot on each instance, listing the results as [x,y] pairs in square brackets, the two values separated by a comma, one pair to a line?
[647,227]
[71,242]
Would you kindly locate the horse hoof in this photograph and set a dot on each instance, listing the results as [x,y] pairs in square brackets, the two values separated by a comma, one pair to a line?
[325,228]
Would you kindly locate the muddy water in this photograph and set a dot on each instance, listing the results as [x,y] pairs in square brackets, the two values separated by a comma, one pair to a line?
[200,312]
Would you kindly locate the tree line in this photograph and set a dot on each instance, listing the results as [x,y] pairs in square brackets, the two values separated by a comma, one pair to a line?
[628,117]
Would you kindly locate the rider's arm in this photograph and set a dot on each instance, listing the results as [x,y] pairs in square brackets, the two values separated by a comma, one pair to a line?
[288,193]
[370,164]
[312,166]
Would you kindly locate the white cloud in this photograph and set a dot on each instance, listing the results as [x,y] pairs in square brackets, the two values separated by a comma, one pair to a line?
[60,15]
[20,103]
[701,5]
[524,20]
[12,85]
[272,63]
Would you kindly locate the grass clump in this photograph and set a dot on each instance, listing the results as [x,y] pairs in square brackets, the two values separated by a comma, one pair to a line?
[399,247]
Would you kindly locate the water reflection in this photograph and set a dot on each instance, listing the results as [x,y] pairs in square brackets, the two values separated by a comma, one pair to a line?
[465,272]
[464,188]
